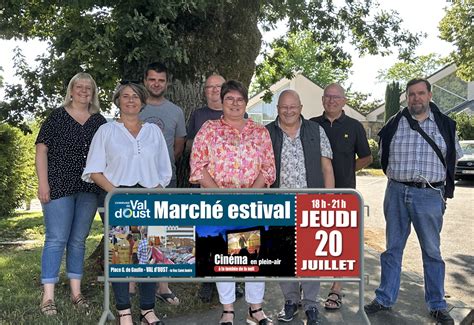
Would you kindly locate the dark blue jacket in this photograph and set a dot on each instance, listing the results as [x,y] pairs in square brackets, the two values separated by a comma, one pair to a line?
[446,126]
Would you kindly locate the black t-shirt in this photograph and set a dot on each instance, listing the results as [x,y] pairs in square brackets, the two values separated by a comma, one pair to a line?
[68,144]
[199,117]
[347,137]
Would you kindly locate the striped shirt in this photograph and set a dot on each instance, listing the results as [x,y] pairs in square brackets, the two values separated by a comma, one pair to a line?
[412,159]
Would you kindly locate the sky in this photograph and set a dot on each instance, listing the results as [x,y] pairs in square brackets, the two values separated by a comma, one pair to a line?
[417,15]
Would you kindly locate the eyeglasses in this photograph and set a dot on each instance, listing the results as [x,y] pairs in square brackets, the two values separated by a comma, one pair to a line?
[232,100]
[213,87]
[289,108]
[333,97]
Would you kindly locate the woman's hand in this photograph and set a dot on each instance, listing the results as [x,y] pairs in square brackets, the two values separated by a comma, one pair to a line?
[43,192]
[102,182]
[207,181]
[41,161]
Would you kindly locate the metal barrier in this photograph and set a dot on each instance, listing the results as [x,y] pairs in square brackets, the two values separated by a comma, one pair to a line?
[312,219]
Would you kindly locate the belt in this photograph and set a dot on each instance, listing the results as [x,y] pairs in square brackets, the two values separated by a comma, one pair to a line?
[422,185]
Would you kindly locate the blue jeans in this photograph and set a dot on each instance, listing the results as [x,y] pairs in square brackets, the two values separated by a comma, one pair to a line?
[67,223]
[424,207]
[122,295]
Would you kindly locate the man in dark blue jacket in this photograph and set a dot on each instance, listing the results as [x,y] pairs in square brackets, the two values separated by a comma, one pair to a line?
[419,180]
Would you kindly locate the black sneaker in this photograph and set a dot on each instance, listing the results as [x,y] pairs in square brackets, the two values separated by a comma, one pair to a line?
[312,316]
[442,317]
[288,312]
[374,307]
[205,291]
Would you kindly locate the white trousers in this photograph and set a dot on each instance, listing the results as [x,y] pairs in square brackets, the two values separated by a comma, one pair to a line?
[254,292]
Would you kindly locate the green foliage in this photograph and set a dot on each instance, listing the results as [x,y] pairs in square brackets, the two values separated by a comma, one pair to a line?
[392,100]
[464,125]
[419,67]
[361,102]
[457,28]
[374,150]
[115,40]
[298,52]
[17,172]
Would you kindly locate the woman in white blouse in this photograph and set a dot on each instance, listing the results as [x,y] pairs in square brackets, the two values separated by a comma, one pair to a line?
[129,153]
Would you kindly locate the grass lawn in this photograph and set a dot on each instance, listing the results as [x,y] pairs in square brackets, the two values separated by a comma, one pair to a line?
[20,287]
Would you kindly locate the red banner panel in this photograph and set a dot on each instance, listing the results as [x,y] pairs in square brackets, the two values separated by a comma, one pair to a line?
[327,235]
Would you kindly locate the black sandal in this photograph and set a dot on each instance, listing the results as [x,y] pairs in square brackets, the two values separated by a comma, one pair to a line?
[337,302]
[145,321]
[252,320]
[117,320]
[227,312]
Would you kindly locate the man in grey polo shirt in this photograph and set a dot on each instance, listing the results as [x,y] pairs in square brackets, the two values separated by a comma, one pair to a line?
[160,111]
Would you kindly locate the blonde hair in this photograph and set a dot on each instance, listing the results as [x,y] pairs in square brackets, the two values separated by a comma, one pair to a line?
[94,105]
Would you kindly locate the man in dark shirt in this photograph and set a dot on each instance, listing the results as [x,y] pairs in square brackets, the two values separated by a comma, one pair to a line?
[212,111]
[348,139]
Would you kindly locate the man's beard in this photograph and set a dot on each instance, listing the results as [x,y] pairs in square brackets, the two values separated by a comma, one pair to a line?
[156,95]
[418,109]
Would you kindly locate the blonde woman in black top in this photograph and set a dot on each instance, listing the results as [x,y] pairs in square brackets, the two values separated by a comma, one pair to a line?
[69,204]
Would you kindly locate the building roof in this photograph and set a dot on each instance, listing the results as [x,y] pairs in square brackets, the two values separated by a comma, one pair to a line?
[433,78]
[310,95]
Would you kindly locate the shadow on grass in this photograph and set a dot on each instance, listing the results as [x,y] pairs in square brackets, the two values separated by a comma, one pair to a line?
[20,286]
[22,226]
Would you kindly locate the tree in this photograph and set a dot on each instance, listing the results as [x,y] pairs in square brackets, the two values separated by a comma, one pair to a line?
[464,125]
[17,173]
[116,39]
[457,27]
[298,52]
[361,102]
[418,67]
[392,100]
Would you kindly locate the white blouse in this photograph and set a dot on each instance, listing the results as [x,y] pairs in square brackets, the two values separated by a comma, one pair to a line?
[127,161]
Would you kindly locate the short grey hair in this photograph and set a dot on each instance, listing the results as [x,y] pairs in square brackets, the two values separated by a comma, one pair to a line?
[137,89]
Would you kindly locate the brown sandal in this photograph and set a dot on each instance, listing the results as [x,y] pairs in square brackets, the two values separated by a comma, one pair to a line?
[48,308]
[80,301]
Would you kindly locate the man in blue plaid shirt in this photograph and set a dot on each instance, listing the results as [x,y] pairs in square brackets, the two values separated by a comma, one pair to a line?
[419,181]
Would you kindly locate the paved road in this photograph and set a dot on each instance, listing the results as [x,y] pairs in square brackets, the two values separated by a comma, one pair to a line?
[457,237]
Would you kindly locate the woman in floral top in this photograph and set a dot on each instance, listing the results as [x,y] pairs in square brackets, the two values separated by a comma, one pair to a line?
[234,152]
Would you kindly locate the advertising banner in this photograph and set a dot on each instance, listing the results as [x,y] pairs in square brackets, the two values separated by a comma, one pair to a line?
[213,235]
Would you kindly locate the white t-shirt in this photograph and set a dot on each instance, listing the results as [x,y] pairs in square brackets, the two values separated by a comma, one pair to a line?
[127,161]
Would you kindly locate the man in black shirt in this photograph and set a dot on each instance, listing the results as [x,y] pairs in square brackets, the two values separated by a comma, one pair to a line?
[212,111]
[348,139]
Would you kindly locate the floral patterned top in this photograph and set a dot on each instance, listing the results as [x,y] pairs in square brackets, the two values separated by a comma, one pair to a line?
[233,158]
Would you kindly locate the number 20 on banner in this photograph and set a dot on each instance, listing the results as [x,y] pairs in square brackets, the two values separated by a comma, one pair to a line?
[327,235]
